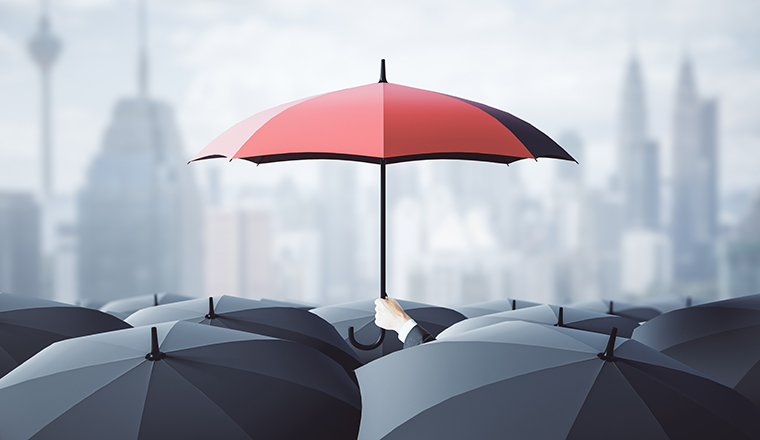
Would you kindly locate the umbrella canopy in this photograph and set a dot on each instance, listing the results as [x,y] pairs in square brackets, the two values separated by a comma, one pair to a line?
[360,315]
[183,381]
[550,315]
[135,303]
[255,317]
[718,338]
[382,123]
[631,311]
[27,325]
[277,302]
[495,306]
[530,381]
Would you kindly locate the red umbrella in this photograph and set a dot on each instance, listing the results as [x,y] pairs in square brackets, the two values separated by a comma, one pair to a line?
[383,123]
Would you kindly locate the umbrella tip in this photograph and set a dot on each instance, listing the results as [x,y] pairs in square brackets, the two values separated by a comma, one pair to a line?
[560,317]
[155,354]
[514,304]
[382,72]
[608,355]
[211,314]
[155,299]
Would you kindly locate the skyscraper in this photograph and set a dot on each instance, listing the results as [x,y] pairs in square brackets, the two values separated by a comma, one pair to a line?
[140,228]
[694,206]
[638,157]
[20,244]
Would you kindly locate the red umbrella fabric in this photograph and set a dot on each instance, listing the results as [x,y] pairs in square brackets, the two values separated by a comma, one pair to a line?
[383,122]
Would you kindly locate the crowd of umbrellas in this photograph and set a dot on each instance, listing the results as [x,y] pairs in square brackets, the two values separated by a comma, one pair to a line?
[227,367]
[167,367]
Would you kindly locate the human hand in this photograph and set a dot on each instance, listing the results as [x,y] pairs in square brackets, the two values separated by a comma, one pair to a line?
[389,314]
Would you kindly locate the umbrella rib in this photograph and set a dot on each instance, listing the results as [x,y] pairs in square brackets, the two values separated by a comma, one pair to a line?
[665,384]
[430,408]
[70,407]
[262,375]
[199,391]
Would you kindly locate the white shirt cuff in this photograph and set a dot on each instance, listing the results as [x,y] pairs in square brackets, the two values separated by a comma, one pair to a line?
[405,329]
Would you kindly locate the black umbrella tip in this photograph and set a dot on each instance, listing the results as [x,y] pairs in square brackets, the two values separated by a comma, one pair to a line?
[382,72]
[608,355]
[211,314]
[155,354]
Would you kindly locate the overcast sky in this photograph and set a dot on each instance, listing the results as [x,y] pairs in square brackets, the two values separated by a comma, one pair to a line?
[555,63]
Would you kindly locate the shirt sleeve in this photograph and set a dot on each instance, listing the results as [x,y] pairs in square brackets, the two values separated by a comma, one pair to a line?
[405,329]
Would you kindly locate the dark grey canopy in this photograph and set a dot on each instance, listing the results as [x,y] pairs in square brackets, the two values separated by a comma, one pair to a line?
[135,303]
[550,315]
[198,382]
[720,339]
[361,316]
[530,381]
[636,312]
[27,325]
[259,317]
[495,306]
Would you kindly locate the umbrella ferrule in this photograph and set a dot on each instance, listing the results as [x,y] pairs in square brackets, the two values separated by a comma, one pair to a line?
[211,314]
[382,72]
[155,354]
[608,355]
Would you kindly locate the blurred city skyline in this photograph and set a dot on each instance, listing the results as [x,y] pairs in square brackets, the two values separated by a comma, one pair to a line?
[560,67]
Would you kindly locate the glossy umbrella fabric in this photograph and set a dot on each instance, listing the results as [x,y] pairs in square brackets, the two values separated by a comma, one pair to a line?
[550,315]
[632,311]
[361,316]
[720,339]
[212,383]
[135,303]
[259,317]
[494,306]
[383,123]
[530,381]
[27,325]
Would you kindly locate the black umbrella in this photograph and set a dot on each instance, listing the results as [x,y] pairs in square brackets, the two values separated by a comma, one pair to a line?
[360,315]
[27,325]
[487,307]
[183,381]
[530,381]
[255,317]
[720,339]
[631,311]
[135,303]
[550,315]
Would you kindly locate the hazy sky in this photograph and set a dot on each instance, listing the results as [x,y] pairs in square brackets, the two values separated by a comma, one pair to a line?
[558,64]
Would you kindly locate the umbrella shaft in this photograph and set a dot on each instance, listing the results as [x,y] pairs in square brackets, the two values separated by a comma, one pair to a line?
[382,229]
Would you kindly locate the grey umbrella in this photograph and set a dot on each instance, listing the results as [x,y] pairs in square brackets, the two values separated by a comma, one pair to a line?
[720,339]
[135,303]
[360,315]
[631,311]
[255,317]
[27,325]
[487,307]
[550,315]
[180,381]
[530,381]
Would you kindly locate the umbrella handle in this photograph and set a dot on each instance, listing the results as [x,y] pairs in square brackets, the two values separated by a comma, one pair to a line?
[361,346]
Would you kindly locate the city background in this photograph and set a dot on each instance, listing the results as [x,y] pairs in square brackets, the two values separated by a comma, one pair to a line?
[103,102]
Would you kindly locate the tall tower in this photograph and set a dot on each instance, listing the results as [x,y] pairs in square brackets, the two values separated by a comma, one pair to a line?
[694,206]
[140,227]
[44,48]
[638,160]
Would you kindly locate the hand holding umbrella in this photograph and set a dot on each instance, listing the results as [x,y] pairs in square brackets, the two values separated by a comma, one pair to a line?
[389,315]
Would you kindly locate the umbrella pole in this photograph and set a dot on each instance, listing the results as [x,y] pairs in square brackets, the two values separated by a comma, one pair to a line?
[383,295]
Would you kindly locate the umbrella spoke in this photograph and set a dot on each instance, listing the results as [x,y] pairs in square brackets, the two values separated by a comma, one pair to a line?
[667,391]
[70,390]
[166,389]
[240,396]
[612,408]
